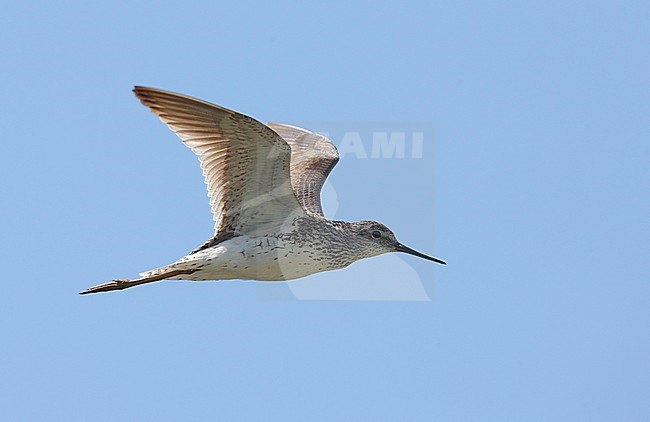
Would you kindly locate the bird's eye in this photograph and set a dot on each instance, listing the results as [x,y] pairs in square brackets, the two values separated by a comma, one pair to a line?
[376,234]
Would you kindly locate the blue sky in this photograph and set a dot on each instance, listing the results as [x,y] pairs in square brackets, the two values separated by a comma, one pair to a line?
[533,185]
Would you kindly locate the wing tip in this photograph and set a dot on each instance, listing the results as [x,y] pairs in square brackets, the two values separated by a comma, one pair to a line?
[139,89]
[144,94]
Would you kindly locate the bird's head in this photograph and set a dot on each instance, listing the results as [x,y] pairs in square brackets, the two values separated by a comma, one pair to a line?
[378,239]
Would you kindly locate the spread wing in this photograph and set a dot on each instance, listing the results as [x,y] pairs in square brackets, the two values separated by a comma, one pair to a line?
[312,159]
[246,165]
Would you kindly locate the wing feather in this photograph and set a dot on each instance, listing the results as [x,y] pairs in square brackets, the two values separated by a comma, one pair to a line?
[246,165]
[312,159]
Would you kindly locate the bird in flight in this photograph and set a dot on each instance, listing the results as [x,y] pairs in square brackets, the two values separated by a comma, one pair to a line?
[264,184]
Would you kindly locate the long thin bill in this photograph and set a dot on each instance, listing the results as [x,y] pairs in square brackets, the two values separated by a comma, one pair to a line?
[406,249]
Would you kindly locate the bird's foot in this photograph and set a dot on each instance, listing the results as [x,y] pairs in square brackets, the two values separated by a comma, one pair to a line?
[106,287]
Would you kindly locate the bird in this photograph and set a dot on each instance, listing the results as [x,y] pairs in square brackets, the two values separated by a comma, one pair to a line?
[264,183]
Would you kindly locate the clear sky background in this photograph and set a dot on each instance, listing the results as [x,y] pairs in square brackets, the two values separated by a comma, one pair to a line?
[533,184]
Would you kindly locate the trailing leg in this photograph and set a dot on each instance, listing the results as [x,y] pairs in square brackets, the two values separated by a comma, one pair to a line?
[125,284]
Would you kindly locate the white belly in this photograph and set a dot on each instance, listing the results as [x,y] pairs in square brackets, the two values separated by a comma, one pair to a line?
[253,258]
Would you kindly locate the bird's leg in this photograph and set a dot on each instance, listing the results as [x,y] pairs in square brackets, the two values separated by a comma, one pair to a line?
[125,284]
